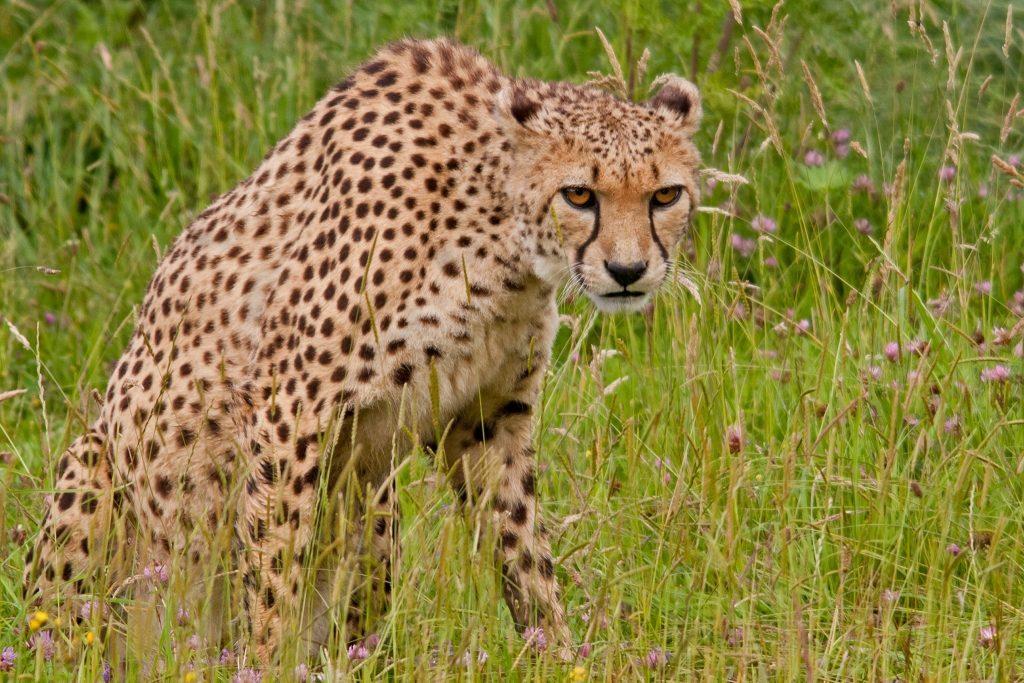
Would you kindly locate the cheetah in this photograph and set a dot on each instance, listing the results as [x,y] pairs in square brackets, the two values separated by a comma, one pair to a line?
[385,280]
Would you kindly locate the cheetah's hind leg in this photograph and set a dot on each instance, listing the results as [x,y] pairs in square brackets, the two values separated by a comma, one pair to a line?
[73,551]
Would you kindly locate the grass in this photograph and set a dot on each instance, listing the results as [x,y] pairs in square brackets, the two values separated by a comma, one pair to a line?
[813,472]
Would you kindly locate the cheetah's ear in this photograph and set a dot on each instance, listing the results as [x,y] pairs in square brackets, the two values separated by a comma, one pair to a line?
[680,98]
[515,110]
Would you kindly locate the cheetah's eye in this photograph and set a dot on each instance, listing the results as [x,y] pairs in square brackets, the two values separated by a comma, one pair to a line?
[666,196]
[580,197]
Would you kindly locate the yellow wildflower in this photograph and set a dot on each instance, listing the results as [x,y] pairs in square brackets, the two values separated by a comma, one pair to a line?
[38,620]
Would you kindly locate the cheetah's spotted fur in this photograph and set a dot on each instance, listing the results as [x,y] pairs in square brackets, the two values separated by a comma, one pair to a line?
[387,274]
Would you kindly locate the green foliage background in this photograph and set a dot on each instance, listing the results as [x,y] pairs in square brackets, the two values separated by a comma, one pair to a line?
[760,497]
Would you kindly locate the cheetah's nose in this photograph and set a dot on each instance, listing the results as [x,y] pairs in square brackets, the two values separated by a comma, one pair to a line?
[626,273]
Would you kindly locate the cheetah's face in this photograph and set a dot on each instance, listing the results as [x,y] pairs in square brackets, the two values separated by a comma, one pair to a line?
[613,187]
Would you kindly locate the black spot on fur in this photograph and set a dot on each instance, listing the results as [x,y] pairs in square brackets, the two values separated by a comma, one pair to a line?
[268,471]
[402,374]
[529,484]
[509,540]
[514,408]
[522,107]
[519,513]
[482,432]
[673,99]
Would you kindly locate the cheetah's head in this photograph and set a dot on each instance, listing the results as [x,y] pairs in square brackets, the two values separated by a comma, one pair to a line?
[604,189]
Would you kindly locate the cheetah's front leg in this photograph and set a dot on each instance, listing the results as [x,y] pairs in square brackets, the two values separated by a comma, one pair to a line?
[275,527]
[372,547]
[279,506]
[502,444]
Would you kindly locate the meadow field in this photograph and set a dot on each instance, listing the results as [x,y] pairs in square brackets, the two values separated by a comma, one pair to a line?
[803,463]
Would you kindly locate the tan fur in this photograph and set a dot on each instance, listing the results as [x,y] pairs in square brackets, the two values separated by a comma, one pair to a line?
[386,275]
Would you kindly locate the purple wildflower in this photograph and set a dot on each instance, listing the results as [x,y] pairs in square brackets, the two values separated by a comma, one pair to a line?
[7,657]
[357,652]
[656,658]
[763,224]
[535,638]
[43,642]
[940,305]
[984,287]
[813,157]
[864,184]
[999,373]
[947,174]
[50,318]
[919,347]
[227,657]
[107,673]
[734,637]
[734,438]
[841,136]
[952,425]
[863,226]
[892,351]
[301,673]
[157,573]
[584,650]
[953,549]
[743,246]
[247,676]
